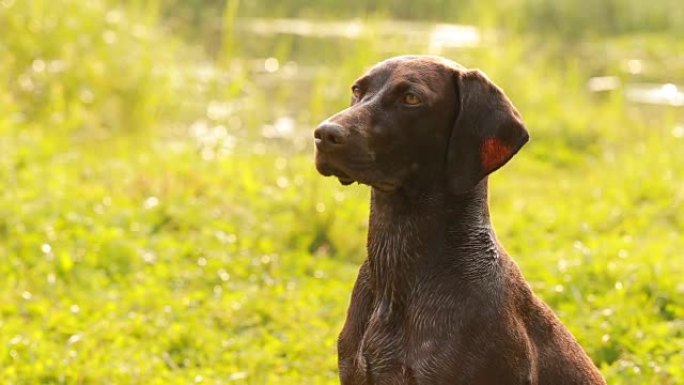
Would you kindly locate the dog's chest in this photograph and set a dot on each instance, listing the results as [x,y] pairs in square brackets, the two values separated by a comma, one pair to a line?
[409,344]
[382,352]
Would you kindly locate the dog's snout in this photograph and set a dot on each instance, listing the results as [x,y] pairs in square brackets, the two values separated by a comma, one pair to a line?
[329,135]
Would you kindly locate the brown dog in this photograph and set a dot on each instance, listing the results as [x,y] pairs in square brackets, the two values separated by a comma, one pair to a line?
[438,300]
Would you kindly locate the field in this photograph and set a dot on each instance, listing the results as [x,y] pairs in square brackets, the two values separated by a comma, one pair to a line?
[161,221]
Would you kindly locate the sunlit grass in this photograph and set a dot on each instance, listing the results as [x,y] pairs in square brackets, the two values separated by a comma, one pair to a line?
[161,221]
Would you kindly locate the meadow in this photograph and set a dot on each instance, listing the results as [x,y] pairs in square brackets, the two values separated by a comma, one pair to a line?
[161,220]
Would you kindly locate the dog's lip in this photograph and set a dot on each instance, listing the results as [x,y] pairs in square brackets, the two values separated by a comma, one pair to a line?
[343,177]
[345,181]
[327,168]
[385,186]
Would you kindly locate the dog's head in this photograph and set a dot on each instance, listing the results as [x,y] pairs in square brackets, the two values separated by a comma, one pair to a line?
[419,120]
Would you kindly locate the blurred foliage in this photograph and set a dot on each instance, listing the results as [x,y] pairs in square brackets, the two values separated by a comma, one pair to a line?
[74,64]
[161,221]
[564,18]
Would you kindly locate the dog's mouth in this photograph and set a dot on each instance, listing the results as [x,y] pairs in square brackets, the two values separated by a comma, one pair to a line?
[343,176]
[344,179]
[360,168]
[327,170]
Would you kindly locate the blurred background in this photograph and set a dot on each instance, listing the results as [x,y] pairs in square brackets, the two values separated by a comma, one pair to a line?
[161,221]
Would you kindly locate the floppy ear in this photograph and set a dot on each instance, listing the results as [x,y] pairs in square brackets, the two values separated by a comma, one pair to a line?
[487,132]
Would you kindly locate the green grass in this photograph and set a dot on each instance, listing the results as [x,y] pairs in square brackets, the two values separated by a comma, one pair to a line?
[151,233]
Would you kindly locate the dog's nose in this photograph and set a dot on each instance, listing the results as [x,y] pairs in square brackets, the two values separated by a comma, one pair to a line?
[329,135]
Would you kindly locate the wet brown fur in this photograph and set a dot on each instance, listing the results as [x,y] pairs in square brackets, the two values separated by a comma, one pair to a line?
[438,300]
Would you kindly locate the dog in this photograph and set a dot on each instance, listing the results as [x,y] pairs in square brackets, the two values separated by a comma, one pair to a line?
[438,300]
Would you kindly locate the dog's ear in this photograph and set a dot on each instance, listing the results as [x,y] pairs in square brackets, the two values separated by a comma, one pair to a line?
[487,131]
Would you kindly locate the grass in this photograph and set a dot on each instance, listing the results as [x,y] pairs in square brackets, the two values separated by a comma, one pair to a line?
[157,228]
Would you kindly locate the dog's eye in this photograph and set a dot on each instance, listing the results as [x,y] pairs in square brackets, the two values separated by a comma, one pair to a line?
[356,91]
[411,99]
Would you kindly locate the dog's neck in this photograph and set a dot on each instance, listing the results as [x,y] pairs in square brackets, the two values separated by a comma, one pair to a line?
[410,232]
